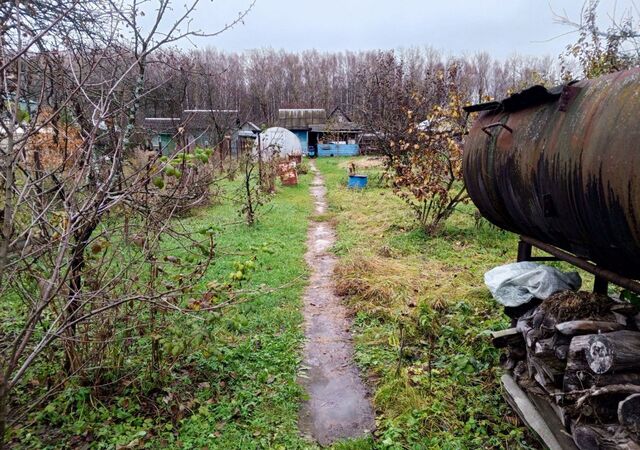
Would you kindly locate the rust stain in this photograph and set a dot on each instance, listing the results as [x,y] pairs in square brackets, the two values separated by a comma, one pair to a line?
[575,156]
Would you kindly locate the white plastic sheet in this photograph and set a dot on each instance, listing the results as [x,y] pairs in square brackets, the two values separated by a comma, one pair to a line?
[516,284]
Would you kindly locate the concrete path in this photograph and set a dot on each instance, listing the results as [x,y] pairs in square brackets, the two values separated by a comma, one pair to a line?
[338,407]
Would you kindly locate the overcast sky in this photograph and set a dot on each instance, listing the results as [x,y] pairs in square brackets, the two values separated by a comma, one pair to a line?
[501,27]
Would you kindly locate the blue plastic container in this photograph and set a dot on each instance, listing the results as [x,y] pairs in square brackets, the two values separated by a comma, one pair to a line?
[357,181]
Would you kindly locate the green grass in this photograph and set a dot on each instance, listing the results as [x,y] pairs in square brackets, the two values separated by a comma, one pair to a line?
[426,295]
[421,312]
[243,394]
[259,406]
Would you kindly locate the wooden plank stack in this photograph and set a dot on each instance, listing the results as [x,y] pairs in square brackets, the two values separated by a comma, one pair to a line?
[580,352]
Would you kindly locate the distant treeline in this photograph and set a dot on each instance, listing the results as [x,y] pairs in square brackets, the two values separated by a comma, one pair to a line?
[259,82]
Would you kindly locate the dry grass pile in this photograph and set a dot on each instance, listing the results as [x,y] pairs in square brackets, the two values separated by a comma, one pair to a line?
[569,305]
[380,286]
[388,287]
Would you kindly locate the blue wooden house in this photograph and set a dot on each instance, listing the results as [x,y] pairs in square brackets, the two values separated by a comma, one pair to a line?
[194,128]
[322,135]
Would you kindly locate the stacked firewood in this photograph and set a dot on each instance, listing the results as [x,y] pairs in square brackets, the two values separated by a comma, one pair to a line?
[581,352]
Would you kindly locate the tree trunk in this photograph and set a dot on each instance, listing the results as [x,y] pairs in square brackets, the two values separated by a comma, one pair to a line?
[605,353]
[75,288]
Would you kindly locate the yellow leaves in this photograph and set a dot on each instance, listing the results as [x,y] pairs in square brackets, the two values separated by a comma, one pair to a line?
[60,220]
[195,305]
[56,144]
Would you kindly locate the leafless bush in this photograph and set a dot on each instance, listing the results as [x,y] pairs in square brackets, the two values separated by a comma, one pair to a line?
[258,177]
[87,243]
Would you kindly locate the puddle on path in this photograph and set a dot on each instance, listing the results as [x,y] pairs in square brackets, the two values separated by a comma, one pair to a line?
[338,407]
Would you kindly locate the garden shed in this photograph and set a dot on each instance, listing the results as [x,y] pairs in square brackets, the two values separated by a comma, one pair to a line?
[322,135]
[208,127]
[243,138]
[300,123]
[194,128]
[163,132]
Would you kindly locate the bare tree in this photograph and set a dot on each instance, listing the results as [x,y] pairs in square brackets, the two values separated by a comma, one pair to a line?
[76,186]
[600,48]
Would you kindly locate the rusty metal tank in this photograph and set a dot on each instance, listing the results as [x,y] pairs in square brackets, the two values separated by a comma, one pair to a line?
[563,166]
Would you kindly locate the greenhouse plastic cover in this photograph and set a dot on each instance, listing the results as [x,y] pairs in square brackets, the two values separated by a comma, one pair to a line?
[278,141]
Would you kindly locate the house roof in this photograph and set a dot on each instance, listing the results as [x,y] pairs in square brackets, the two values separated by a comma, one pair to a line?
[301,119]
[162,124]
[249,126]
[201,121]
[338,121]
[338,115]
[247,130]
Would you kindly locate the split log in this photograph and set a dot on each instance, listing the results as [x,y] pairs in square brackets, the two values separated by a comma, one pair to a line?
[629,412]
[524,323]
[604,353]
[508,337]
[532,336]
[538,318]
[577,327]
[624,307]
[610,389]
[547,427]
[622,319]
[579,381]
[587,438]
[594,438]
[528,332]
[548,347]
[545,347]
[548,372]
[548,407]
[543,322]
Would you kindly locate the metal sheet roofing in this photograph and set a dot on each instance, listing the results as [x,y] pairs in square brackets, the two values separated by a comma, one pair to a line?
[301,119]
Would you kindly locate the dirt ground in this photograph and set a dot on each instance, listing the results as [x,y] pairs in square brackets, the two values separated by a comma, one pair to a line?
[338,406]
